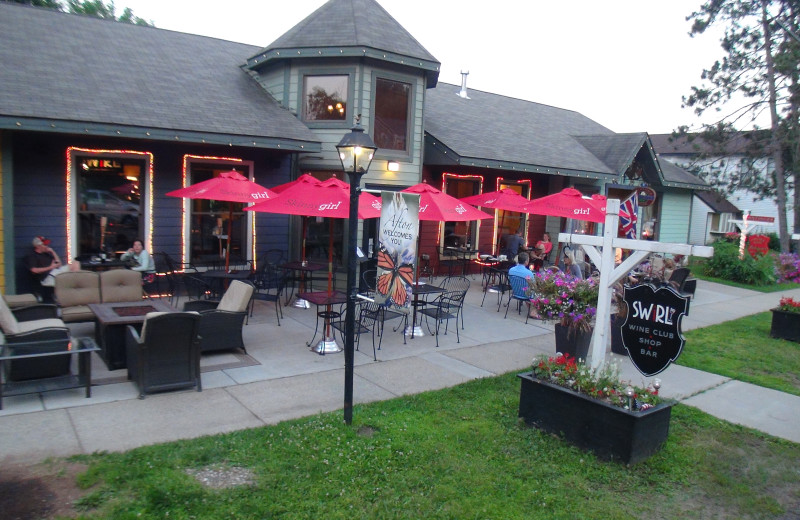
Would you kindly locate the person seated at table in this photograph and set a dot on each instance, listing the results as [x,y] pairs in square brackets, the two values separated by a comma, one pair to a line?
[537,257]
[669,267]
[522,268]
[450,238]
[140,260]
[546,244]
[570,267]
[513,244]
[44,264]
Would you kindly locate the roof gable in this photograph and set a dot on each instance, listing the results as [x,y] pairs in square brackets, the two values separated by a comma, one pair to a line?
[617,151]
[103,77]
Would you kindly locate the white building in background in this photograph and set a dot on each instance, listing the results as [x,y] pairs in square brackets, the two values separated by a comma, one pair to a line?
[712,215]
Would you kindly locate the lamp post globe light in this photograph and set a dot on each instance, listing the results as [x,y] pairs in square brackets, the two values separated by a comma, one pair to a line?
[356,151]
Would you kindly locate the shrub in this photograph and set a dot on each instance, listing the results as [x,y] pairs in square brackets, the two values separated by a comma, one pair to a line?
[788,267]
[726,264]
[774,242]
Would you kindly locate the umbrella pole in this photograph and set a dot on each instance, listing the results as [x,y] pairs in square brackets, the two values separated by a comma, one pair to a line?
[301,303]
[228,242]
[500,234]
[330,275]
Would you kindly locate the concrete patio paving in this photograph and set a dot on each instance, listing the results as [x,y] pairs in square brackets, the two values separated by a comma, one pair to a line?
[290,381]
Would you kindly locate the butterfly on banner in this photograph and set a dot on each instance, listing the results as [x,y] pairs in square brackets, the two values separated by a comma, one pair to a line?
[395,280]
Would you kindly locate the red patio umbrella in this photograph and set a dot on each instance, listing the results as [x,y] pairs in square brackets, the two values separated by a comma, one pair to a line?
[569,203]
[330,198]
[303,180]
[229,186]
[438,206]
[309,197]
[505,199]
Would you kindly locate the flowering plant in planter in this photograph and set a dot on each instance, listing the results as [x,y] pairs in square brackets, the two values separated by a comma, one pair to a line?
[789,305]
[559,296]
[602,384]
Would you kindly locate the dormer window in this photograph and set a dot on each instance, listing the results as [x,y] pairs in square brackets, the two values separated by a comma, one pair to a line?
[325,98]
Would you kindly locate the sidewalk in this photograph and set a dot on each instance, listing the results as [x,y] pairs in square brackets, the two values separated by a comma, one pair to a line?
[290,381]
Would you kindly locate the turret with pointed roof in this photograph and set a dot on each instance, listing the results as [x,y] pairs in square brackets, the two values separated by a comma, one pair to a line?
[346,28]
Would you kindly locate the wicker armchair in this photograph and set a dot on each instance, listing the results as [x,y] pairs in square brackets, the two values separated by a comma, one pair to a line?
[166,355]
[33,330]
[221,321]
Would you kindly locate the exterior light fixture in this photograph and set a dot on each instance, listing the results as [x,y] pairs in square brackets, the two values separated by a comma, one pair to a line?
[393,166]
[356,151]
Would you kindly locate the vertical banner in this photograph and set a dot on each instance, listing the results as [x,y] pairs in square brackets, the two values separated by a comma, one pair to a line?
[397,252]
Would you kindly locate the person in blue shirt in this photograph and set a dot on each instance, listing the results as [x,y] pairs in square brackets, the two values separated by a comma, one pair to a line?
[521,269]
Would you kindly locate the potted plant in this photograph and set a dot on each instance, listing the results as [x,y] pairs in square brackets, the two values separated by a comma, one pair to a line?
[594,409]
[572,303]
[786,320]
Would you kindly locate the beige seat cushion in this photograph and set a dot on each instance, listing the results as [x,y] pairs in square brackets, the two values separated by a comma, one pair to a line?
[28,326]
[153,315]
[77,313]
[8,322]
[147,317]
[120,285]
[20,300]
[236,297]
[77,288]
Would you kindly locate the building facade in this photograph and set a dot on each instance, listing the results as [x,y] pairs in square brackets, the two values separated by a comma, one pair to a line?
[99,120]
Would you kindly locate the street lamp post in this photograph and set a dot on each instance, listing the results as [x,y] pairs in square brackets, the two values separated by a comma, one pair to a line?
[356,150]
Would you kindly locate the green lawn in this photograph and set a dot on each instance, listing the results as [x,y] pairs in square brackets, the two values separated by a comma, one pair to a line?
[462,453]
[742,349]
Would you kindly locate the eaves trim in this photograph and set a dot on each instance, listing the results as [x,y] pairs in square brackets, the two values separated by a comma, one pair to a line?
[158,134]
[359,51]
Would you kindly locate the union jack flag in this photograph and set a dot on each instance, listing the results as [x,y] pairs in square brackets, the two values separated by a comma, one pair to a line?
[627,216]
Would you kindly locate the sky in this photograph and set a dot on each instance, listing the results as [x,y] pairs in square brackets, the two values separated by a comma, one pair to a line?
[625,64]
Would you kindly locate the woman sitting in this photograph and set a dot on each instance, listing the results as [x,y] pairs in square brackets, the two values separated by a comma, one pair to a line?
[140,260]
[570,267]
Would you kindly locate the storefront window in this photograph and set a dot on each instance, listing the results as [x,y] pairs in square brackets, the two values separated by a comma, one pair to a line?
[214,222]
[458,233]
[325,98]
[324,236]
[392,100]
[109,201]
[508,222]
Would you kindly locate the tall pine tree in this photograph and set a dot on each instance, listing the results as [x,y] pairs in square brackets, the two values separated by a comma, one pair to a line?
[761,64]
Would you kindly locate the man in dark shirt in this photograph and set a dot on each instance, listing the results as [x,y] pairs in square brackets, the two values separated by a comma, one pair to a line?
[514,244]
[40,262]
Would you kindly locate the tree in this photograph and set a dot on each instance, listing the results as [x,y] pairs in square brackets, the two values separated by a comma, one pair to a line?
[761,64]
[96,8]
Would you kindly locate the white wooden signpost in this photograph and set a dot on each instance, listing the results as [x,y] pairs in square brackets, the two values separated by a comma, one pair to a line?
[601,251]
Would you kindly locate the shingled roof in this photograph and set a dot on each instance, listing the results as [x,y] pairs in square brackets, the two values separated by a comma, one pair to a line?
[498,131]
[70,73]
[717,202]
[494,131]
[350,28]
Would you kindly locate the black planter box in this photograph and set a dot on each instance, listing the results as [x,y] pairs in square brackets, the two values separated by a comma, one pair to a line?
[785,325]
[612,433]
